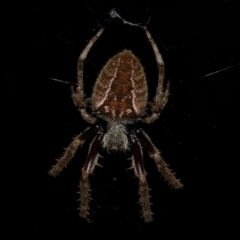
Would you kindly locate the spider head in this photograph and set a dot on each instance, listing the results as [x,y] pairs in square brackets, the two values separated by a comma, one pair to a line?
[115,138]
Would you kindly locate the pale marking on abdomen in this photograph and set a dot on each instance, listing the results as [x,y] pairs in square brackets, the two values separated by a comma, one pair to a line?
[99,103]
[133,91]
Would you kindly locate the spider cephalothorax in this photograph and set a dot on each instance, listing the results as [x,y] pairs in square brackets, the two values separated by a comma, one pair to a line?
[119,98]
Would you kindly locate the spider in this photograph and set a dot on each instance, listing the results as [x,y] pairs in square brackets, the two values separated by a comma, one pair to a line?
[119,100]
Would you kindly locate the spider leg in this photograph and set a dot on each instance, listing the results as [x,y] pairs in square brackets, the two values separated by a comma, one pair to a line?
[139,170]
[88,168]
[160,163]
[78,94]
[71,150]
[161,97]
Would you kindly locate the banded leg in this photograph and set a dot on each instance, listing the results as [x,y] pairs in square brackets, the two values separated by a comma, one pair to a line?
[139,170]
[160,163]
[88,168]
[161,97]
[71,150]
[78,94]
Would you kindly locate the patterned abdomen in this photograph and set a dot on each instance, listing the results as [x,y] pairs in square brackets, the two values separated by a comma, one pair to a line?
[120,92]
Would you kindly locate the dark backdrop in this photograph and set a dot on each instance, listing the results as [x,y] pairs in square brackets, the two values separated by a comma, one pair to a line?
[197,132]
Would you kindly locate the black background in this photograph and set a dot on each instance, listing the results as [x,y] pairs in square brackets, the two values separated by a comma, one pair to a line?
[197,132]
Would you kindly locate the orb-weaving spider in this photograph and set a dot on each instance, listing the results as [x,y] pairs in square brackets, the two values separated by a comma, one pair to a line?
[119,98]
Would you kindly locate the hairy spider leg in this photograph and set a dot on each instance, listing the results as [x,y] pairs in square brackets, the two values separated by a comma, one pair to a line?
[71,150]
[139,170]
[88,168]
[161,97]
[78,94]
[160,163]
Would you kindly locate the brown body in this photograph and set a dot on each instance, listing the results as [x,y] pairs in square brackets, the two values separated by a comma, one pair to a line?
[119,97]
[120,92]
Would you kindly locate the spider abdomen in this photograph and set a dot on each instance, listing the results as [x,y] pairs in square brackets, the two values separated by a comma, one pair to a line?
[120,92]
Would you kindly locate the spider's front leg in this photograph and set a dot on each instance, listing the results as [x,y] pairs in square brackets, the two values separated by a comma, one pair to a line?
[162,94]
[72,149]
[78,94]
[139,170]
[88,168]
[160,163]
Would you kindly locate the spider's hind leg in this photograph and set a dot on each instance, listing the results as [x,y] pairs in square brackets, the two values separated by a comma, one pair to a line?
[160,163]
[162,93]
[71,150]
[78,93]
[139,170]
[88,168]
